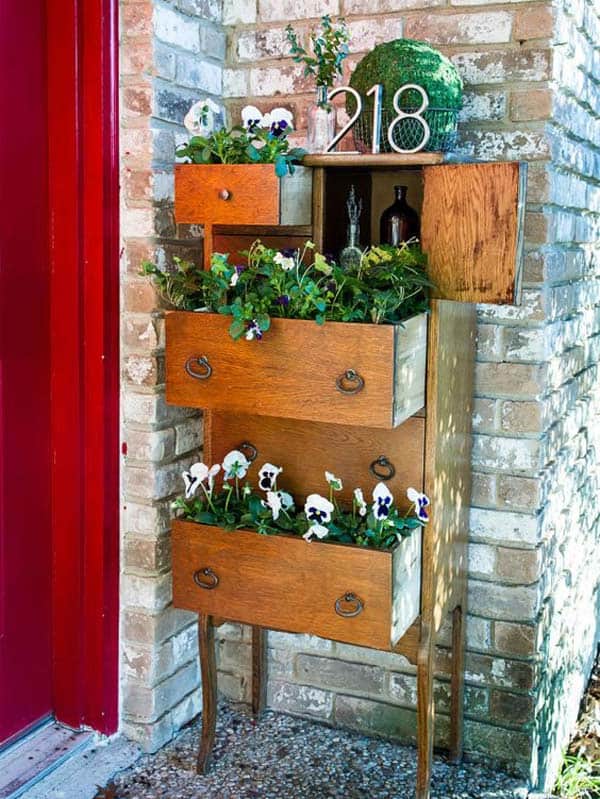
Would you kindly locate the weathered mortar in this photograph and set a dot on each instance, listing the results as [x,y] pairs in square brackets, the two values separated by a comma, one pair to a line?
[534,528]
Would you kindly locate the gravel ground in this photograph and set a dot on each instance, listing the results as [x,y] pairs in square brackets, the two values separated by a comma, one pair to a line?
[289,758]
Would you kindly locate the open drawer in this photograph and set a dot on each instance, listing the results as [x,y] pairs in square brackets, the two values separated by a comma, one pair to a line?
[346,593]
[354,374]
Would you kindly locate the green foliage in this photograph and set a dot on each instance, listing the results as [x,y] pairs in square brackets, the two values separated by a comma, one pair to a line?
[239,145]
[389,285]
[579,778]
[234,506]
[329,49]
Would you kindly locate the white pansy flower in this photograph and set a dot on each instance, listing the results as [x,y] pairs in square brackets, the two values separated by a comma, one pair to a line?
[284,261]
[252,117]
[334,481]
[234,278]
[203,118]
[315,529]
[421,502]
[235,464]
[318,509]
[273,502]
[360,502]
[287,500]
[196,475]
[382,501]
[267,476]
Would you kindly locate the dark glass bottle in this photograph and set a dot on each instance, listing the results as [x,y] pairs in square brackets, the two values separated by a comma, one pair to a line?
[399,222]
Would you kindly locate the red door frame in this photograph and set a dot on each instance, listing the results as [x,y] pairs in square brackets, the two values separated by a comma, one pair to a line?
[84,256]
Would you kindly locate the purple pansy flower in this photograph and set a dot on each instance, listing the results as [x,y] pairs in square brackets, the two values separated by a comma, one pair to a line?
[253,331]
[283,299]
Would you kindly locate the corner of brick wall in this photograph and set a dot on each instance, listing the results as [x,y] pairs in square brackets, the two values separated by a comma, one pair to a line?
[171,54]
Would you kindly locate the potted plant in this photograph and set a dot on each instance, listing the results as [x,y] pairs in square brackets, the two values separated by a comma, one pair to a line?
[329,48]
[230,175]
[216,548]
[289,333]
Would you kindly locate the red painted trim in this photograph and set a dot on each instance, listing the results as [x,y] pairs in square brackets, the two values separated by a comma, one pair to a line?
[83,179]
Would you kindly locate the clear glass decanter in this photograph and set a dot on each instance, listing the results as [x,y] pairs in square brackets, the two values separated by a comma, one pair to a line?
[351,254]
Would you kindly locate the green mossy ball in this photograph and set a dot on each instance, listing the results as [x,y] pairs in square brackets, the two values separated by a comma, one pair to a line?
[402,61]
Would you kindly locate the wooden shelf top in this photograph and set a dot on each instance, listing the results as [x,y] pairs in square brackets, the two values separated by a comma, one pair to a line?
[368,159]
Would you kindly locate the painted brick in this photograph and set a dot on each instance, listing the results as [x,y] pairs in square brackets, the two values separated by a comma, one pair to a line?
[518,493]
[285,10]
[150,445]
[534,22]
[499,66]
[361,7]
[146,555]
[308,701]
[236,11]
[520,566]
[513,603]
[510,380]
[136,20]
[176,29]
[339,675]
[504,527]
[530,105]
[514,639]
[490,27]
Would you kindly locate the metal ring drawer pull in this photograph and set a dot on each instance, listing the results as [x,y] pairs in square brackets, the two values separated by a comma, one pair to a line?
[382,468]
[192,364]
[224,194]
[249,450]
[350,599]
[350,382]
[211,582]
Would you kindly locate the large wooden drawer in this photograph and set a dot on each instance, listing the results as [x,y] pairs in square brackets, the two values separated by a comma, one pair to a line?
[283,582]
[355,374]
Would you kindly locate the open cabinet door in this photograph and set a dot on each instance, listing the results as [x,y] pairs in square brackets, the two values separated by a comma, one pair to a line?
[472,230]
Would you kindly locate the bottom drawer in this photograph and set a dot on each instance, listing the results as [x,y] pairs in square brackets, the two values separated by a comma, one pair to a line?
[285,583]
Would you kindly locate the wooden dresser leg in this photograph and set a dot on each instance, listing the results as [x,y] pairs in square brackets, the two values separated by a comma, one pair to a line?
[457,684]
[259,671]
[425,715]
[208,671]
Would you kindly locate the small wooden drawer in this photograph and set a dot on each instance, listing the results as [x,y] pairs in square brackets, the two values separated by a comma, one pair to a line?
[358,596]
[241,194]
[355,374]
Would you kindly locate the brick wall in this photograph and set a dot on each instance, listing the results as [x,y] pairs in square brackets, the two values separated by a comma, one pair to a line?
[534,529]
[534,526]
[171,54]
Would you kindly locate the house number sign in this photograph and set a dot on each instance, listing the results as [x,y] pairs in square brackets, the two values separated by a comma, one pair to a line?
[377,92]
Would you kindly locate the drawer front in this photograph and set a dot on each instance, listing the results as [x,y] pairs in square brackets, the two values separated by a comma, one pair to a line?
[236,194]
[338,373]
[284,583]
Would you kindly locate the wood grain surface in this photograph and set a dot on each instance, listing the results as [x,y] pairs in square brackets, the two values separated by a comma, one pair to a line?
[292,372]
[306,449]
[283,582]
[470,229]
[448,442]
[366,160]
[253,194]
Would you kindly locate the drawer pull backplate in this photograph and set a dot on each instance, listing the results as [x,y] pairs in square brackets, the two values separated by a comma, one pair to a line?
[206,578]
[198,367]
[356,605]
[350,382]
